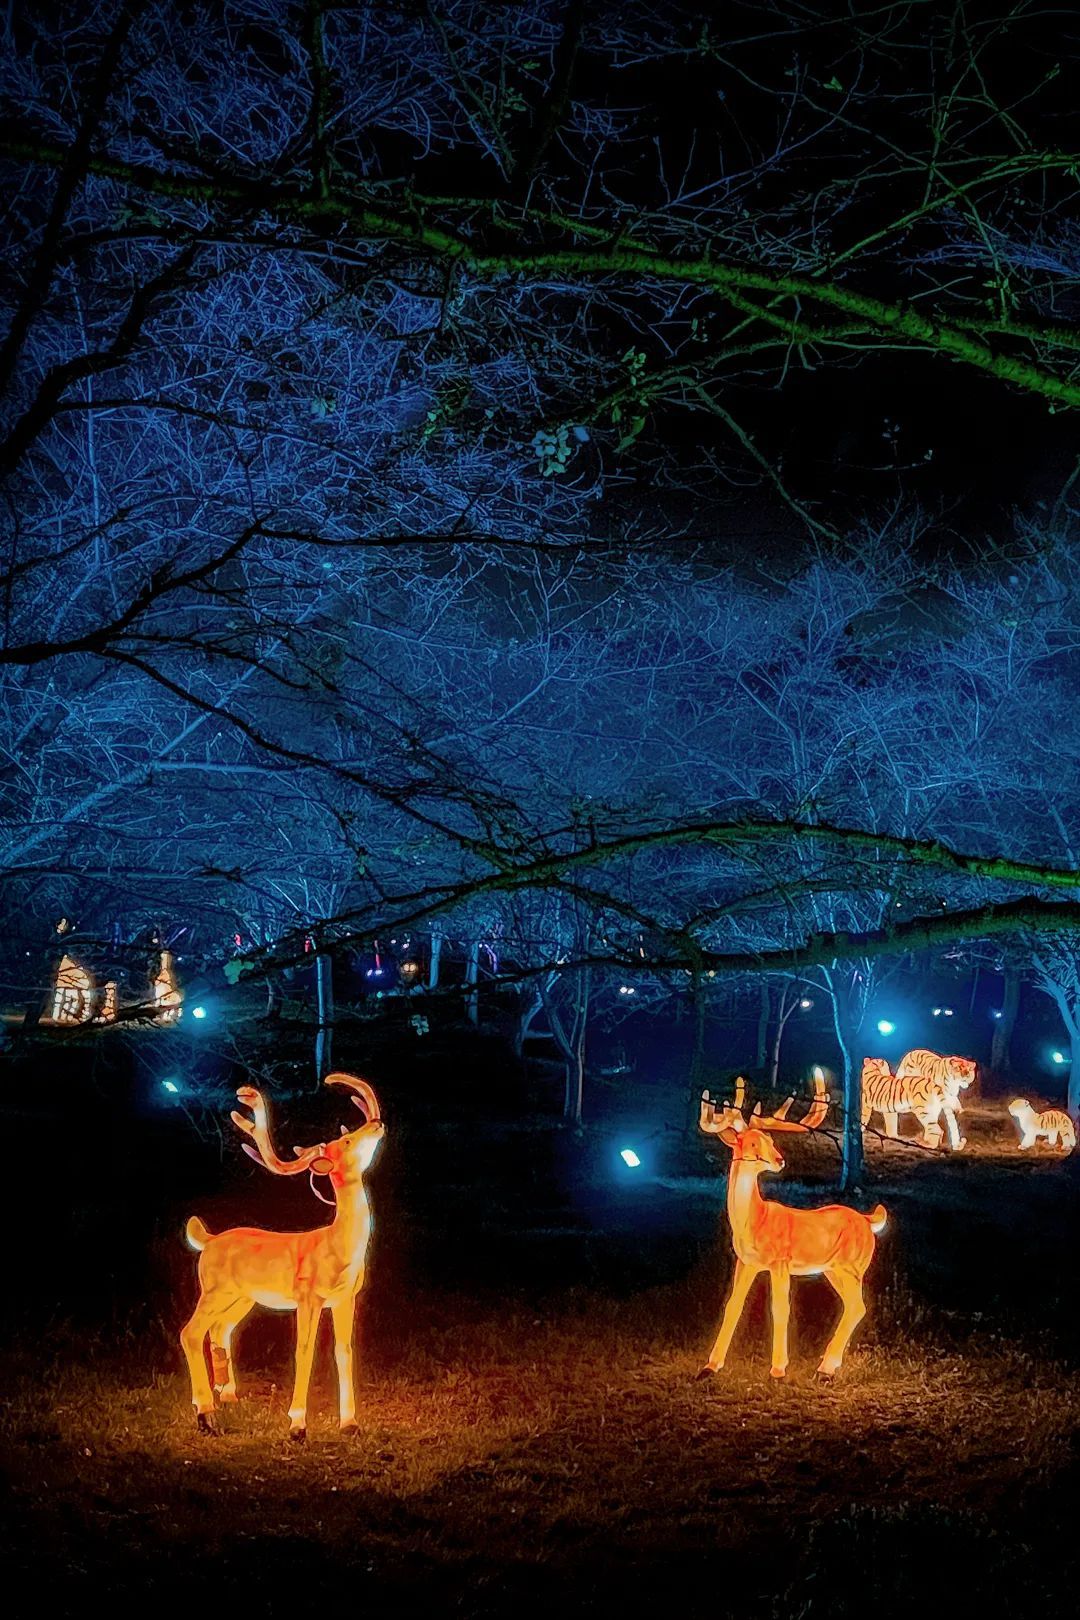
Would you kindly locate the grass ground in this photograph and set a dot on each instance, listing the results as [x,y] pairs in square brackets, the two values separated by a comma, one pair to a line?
[529,1446]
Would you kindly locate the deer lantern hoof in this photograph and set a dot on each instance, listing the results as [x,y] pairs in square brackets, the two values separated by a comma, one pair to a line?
[349,1427]
[298,1437]
[206,1423]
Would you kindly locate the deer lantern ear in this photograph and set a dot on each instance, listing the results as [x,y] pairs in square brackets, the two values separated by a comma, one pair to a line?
[321,1166]
[730,1138]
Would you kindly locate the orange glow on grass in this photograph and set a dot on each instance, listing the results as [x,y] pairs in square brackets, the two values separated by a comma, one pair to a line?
[834,1242]
[305,1272]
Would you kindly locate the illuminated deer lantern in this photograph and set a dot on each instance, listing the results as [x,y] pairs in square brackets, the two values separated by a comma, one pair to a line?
[835,1242]
[305,1272]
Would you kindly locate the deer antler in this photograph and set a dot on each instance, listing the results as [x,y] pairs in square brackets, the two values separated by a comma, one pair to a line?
[364,1097]
[779,1121]
[730,1116]
[258,1128]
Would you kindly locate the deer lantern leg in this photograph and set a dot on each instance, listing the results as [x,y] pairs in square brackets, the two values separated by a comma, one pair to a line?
[848,1285]
[307,1330]
[344,1316]
[780,1305]
[209,1310]
[740,1288]
[221,1357]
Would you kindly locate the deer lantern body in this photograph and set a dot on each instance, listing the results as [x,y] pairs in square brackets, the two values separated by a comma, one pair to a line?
[305,1272]
[835,1242]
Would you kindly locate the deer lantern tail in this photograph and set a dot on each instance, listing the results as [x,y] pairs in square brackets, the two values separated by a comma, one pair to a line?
[197,1233]
[877,1218]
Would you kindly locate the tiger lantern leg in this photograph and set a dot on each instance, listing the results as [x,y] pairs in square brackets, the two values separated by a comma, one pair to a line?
[956,1141]
[929,1118]
[892,1125]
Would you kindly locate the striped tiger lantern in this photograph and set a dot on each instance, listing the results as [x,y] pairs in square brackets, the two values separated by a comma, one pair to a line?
[926,1085]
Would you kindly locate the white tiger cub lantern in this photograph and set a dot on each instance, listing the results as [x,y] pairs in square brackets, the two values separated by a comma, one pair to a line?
[1053,1124]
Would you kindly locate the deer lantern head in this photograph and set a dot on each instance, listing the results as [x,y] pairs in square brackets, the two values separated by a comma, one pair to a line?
[343,1158]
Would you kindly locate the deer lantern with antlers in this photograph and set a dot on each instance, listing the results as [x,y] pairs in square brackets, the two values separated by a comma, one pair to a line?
[835,1242]
[305,1272]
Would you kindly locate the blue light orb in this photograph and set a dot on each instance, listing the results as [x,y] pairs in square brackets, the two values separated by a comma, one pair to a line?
[885,1027]
[198,1012]
[171,1087]
[630,1159]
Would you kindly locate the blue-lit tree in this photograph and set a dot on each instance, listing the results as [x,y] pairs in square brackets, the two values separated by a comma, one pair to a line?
[331,326]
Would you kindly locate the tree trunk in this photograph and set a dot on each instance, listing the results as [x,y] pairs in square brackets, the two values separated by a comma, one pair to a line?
[528,1011]
[849,1035]
[324,1033]
[774,1059]
[274,998]
[574,1091]
[433,964]
[1004,1026]
[763,1025]
[697,1060]
[574,1100]
[472,974]
[571,1044]
[696,1082]
[1067,997]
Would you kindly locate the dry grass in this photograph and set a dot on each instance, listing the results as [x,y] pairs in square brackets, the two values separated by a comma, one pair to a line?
[507,1460]
[519,1454]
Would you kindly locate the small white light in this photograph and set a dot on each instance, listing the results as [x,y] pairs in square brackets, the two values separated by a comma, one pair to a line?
[1058,1057]
[630,1159]
[170,1086]
[947,1011]
[885,1027]
[626,990]
[806,1003]
[996,1013]
[937,1012]
[198,1012]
